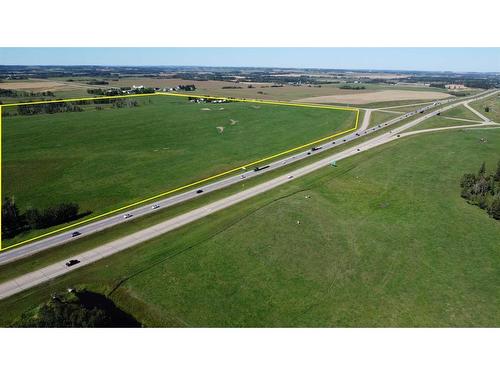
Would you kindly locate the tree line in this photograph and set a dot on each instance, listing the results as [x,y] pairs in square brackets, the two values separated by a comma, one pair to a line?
[352,87]
[483,190]
[107,92]
[15,222]
[47,108]
[51,108]
[15,94]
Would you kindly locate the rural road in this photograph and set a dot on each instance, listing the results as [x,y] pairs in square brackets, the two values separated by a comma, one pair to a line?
[366,120]
[44,274]
[482,125]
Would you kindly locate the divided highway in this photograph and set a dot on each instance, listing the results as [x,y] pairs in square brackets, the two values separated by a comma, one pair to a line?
[99,225]
[44,274]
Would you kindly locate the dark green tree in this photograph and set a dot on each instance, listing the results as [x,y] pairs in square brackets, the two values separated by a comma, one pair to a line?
[494,208]
[482,169]
[12,220]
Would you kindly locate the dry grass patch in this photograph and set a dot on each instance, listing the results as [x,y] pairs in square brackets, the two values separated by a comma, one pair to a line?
[376,96]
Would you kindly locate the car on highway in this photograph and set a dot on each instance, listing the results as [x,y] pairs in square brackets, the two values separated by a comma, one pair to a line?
[75,234]
[126,216]
[243,176]
[72,262]
[199,191]
[155,206]
[289,177]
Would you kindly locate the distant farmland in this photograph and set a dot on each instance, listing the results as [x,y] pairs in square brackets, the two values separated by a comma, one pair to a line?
[103,159]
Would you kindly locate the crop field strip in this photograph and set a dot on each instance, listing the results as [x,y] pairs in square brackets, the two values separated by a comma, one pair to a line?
[192,184]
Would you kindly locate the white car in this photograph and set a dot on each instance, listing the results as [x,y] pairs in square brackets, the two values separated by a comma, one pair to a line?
[155,206]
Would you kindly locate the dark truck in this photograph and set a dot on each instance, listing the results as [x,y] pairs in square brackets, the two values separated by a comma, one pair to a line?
[316,148]
[256,169]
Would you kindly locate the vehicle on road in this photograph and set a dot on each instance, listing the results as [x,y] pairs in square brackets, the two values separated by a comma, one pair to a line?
[199,191]
[289,177]
[126,216]
[155,206]
[75,234]
[72,262]
[256,169]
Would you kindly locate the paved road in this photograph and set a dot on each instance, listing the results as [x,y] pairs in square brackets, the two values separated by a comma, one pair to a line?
[366,120]
[482,125]
[88,229]
[461,119]
[44,274]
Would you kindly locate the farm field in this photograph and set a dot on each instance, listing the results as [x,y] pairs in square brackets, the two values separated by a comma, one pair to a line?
[258,90]
[105,159]
[35,87]
[254,90]
[378,243]
[494,105]
[376,96]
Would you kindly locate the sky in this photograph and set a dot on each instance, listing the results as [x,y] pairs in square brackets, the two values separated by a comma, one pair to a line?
[426,59]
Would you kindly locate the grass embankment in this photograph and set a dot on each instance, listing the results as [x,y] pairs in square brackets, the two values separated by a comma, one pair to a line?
[439,122]
[461,112]
[493,103]
[380,243]
[378,117]
[108,158]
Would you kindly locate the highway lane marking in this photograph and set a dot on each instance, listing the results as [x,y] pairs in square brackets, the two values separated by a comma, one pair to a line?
[145,200]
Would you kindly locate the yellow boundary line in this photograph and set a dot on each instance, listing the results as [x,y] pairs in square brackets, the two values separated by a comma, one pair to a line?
[242,167]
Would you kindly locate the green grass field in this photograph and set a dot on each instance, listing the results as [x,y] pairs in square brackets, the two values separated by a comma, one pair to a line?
[438,122]
[380,117]
[461,112]
[384,240]
[493,103]
[105,159]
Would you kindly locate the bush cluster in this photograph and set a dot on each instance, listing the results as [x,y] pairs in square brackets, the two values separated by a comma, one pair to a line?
[483,190]
[15,222]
